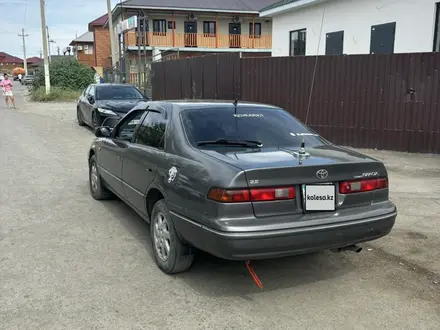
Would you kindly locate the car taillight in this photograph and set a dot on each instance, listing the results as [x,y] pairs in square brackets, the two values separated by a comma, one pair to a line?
[349,187]
[228,196]
[251,195]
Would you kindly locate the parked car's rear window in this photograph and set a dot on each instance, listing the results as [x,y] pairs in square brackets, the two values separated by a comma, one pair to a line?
[117,92]
[273,127]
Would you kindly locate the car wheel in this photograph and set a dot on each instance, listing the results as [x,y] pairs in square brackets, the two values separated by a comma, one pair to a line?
[97,189]
[171,254]
[79,117]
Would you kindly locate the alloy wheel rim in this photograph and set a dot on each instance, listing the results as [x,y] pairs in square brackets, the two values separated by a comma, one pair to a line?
[94,178]
[162,241]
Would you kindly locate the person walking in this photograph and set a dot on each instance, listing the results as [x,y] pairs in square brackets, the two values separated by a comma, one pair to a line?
[6,86]
[20,76]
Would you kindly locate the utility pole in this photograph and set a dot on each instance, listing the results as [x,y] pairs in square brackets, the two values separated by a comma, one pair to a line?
[44,39]
[24,50]
[48,41]
[112,33]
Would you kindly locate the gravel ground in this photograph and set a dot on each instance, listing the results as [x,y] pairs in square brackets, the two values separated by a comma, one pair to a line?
[69,262]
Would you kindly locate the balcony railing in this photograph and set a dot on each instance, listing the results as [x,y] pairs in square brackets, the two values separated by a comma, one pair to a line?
[201,40]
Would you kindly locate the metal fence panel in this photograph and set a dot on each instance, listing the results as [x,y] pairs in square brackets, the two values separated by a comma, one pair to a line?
[369,101]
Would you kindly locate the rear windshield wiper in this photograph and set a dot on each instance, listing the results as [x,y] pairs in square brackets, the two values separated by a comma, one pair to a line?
[240,143]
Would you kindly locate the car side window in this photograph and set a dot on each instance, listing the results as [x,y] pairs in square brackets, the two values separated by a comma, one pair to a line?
[126,129]
[91,91]
[151,133]
[86,91]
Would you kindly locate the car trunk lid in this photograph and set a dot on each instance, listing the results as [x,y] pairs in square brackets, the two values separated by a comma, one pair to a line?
[318,173]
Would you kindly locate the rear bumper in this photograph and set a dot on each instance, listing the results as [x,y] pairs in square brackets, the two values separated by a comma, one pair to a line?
[280,243]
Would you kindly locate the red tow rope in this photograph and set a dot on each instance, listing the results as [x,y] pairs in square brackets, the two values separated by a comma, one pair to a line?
[253,274]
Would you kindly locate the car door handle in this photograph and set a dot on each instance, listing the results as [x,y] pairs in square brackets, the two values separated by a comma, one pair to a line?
[120,157]
[149,170]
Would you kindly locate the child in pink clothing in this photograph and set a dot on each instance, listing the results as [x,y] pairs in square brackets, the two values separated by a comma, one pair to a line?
[6,86]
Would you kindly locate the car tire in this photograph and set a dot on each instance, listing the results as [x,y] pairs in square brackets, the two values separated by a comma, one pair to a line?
[97,189]
[79,117]
[170,253]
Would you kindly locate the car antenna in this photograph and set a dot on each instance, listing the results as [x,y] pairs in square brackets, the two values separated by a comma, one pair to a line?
[316,65]
[235,111]
[236,100]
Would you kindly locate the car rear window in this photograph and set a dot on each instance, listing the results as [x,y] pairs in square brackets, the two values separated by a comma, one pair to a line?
[272,127]
[117,93]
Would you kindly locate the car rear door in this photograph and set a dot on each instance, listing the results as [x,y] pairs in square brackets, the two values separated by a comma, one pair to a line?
[111,151]
[143,157]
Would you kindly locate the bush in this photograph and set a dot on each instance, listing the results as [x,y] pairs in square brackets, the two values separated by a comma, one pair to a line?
[65,73]
[56,94]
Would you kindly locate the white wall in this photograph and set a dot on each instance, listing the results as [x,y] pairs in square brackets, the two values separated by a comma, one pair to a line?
[415,22]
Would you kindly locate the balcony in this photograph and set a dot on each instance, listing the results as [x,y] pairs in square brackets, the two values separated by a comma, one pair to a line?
[200,40]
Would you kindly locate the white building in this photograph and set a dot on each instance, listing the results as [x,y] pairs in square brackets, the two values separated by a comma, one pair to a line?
[353,26]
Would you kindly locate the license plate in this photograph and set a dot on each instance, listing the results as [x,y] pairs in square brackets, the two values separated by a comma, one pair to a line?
[319,197]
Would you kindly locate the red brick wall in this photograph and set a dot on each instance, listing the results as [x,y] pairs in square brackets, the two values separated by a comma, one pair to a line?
[86,59]
[102,47]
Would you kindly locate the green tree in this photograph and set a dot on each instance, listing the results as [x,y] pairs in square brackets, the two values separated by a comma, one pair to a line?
[66,73]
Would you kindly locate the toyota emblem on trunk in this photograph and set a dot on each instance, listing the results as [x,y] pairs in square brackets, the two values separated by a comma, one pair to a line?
[322,174]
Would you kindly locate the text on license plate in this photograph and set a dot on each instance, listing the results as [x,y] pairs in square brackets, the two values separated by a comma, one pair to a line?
[319,197]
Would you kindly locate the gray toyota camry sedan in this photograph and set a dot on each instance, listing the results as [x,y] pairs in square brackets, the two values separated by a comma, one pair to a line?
[239,180]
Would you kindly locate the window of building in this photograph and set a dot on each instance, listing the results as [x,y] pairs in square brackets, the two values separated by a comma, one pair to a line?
[171,26]
[334,43]
[437,28]
[88,50]
[151,133]
[257,31]
[382,38]
[159,26]
[209,28]
[298,42]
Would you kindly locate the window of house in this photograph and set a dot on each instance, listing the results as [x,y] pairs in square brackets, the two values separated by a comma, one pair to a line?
[151,133]
[159,26]
[209,28]
[257,31]
[89,50]
[334,43]
[171,25]
[382,38]
[437,28]
[297,42]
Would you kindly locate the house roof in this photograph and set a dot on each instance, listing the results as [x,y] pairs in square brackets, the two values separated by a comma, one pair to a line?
[100,21]
[6,58]
[34,59]
[83,38]
[286,5]
[233,6]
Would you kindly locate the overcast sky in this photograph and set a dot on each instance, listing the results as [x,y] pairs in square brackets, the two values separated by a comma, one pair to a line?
[64,19]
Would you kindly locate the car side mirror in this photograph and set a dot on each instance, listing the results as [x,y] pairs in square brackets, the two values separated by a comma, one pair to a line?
[103,132]
[91,99]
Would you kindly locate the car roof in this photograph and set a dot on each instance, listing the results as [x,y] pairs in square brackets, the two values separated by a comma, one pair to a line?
[111,84]
[197,103]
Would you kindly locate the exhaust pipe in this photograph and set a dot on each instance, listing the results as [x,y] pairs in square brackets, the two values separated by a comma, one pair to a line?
[353,248]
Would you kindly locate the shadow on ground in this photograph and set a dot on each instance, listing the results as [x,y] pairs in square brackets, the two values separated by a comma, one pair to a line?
[212,276]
